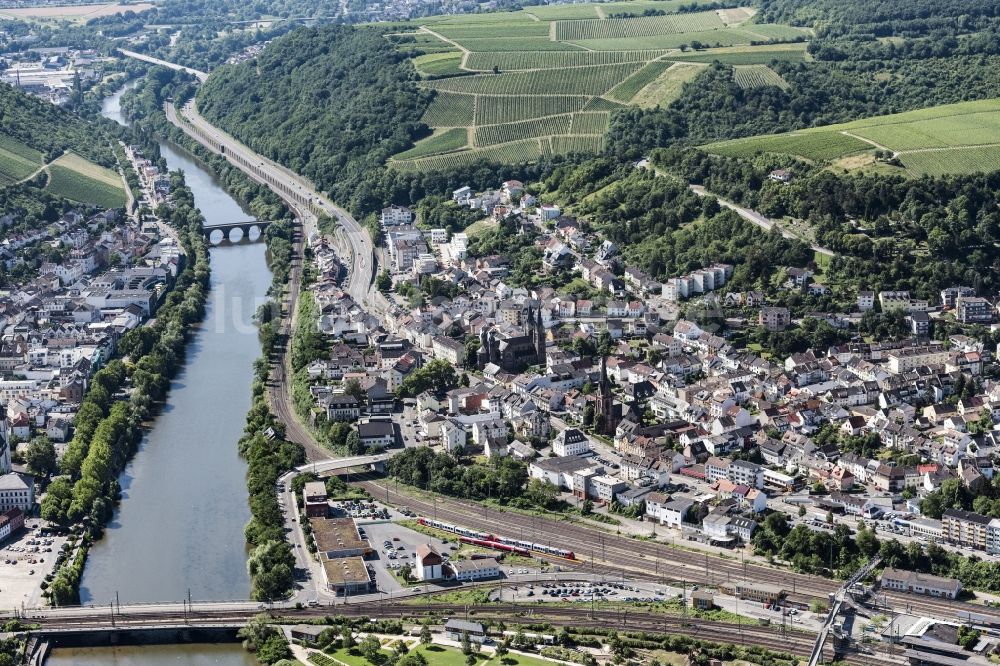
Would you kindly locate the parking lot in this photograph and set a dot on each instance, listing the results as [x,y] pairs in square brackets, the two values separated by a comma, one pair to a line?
[396,547]
[585,590]
[24,562]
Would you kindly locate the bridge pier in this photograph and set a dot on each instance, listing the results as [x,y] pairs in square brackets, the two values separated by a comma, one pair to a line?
[227,229]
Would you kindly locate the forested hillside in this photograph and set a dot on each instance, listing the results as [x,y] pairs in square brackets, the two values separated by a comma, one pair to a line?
[51,130]
[869,58]
[332,103]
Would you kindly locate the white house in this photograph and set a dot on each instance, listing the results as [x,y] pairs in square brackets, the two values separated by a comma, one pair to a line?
[570,442]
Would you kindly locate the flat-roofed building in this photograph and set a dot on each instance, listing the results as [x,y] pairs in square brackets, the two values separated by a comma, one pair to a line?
[759,592]
[338,538]
[346,575]
[702,600]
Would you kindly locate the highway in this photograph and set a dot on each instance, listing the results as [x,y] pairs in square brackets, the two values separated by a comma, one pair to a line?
[306,203]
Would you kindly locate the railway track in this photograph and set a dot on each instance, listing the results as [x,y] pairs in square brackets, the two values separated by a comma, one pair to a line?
[605,552]
[771,637]
[609,554]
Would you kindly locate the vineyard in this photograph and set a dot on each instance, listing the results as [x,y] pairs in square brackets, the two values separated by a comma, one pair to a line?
[957,160]
[450,110]
[526,150]
[492,110]
[576,144]
[590,123]
[442,141]
[757,76]
[437,65]
[814,146]
[79,180]
[504,44]
[746,55]
[487,135]
[520,29]
[17,161]
[642,26]
[952,138]
[546,79]
[514,60]
[594,80]
[627,89]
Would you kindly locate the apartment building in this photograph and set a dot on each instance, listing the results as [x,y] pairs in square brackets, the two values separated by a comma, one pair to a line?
[965,528]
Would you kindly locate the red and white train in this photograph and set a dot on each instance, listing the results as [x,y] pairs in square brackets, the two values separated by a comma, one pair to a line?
[497,542]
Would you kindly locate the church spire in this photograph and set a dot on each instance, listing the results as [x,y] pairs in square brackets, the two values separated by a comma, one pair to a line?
[539,337]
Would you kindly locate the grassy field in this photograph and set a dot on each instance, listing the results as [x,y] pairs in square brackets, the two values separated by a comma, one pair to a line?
[434,65]
[953,138]
[667,86]
[520,75]
[75,13]
[17,161]
[77,179]
[630,87]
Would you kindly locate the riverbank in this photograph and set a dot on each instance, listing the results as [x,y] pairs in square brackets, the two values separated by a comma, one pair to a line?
[108,431]
[271,563]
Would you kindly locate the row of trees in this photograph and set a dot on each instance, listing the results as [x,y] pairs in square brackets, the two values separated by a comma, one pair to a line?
[502,479]
[124,393]
[840,553]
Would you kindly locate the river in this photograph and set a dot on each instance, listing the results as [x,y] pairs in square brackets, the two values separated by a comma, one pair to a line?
[179,528]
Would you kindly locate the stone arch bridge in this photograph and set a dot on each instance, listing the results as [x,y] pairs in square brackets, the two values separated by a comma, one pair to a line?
[235,232]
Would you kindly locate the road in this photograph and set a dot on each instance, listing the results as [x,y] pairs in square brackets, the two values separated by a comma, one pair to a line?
[197,73]
[305,203]
[756,218]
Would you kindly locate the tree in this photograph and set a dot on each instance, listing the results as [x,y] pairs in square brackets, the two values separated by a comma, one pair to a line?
[384,281]
[502,649]
[353,443]
[587,507]
[371,648]
[41,456]
[352,387]
[271,567]
[256,632]
[274,650]
[426,638]
[466,643]
[968,637]
[347,637]
[802,511]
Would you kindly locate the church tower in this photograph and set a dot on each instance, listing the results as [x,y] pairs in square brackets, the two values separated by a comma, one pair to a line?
[538,335]
[605,419]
